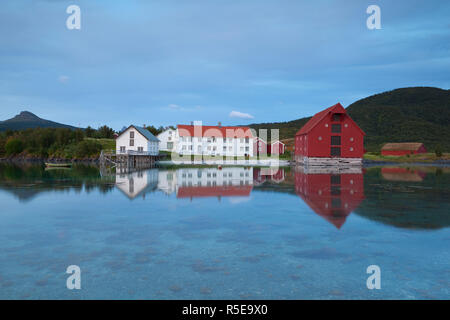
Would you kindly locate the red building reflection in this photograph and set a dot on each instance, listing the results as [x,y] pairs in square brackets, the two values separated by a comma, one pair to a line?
[332,195]
[261,175]
[403,174]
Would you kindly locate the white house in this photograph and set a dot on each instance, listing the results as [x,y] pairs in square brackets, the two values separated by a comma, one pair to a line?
[137,140]
[168,140]
[196,139]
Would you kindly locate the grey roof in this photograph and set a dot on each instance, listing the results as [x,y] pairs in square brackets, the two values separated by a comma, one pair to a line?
[147,134]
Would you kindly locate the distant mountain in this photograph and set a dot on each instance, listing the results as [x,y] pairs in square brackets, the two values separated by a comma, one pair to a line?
[419,114]
[26,120]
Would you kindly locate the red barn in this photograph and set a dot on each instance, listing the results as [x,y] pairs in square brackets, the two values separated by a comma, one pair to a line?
[259,146]
[401,149]
[333,196]
[330,136]
[276,147]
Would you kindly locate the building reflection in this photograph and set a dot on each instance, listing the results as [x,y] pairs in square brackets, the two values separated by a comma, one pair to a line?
[214,182]
[261,175]
[330,193]
[403,174]
[138,183]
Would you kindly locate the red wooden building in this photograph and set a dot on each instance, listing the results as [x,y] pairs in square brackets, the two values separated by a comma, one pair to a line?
[259,146]
[330,135]
[401,149]
[333,196]
[276,147]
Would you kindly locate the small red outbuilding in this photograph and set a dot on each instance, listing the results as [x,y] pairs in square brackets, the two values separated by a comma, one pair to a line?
[401,149]
[330,133]
[276,147]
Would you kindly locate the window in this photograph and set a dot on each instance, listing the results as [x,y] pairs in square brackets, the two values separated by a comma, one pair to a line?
[335,140]
[247,140]
[242,140]
[247,149]
[170,145]
[131,142]
[224,148]
[224,140]
[335,152]
[336,128]
[131,134]
[122,149]
[336,203]
[170,138]
[337,117]
[140,149]
[335,190]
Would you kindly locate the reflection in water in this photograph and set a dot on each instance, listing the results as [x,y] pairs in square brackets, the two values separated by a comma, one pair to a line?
[137,183]
[403,174]
[333,195]
[261,175]
[414,198]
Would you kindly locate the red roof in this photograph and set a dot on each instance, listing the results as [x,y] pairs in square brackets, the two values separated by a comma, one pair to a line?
[337,108]
[222,191]
[214,131]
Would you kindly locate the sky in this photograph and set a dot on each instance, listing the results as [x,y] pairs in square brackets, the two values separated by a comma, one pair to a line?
[234,61]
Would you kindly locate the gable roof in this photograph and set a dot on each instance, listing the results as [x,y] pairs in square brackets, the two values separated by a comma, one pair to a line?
[409,146]
[314,121]
[147,134]
[213,131]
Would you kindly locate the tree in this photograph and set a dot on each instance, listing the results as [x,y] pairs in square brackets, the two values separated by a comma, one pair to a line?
[105,132]
[90,132]
[438,151]
[14,146]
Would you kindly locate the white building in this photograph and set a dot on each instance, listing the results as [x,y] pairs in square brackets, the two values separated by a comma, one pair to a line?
[168,140]
[137,140]
[196,139]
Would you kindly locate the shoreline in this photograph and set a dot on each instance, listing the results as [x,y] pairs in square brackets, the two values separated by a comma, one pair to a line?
[366,163]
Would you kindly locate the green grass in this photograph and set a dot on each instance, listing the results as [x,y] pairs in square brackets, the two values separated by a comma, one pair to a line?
[107,144]
[423,157]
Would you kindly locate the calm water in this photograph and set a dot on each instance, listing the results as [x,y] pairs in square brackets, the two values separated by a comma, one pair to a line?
[235,233]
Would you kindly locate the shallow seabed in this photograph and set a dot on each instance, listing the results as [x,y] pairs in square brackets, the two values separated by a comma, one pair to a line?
[181,234]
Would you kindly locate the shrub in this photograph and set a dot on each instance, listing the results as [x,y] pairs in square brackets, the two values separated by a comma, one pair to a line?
[88,148]
[438,151]
[14,146]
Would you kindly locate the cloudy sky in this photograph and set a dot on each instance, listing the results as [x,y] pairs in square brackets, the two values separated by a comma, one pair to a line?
[235,61]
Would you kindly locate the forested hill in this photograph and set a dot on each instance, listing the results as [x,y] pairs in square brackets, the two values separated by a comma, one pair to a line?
[27,120]
[405,115]
[419,114]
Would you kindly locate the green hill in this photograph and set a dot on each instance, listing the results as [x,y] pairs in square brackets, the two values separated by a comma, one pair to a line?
[28,120]
[419,114]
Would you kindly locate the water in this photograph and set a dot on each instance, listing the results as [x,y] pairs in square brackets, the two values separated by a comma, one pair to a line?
[235,233]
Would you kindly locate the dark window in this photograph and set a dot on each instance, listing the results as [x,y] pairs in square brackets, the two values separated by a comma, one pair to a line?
[335,179]
[131,142]
[336,128]
[337,117]
[337,213]
[131,134]
[336,203]
[141,149]
[335,140]
[335,190]
[335,152]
